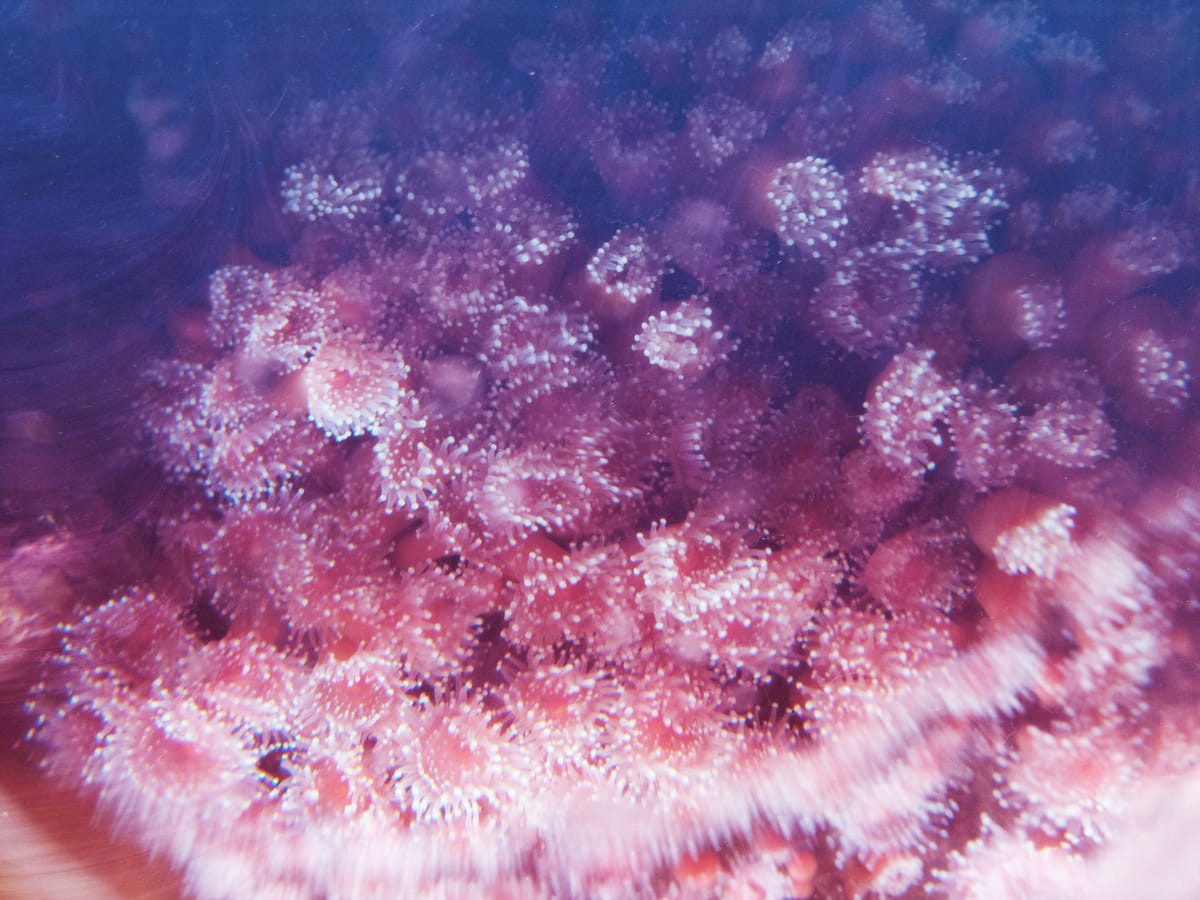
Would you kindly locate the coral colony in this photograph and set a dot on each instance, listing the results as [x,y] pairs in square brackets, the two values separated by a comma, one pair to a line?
[736,455]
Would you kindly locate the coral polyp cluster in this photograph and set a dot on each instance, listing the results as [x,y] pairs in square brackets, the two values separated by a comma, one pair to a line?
[743,457]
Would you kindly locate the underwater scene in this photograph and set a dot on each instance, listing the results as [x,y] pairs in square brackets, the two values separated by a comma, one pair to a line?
[557,451]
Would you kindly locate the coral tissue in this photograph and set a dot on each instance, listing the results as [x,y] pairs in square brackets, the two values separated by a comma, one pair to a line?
[749,458]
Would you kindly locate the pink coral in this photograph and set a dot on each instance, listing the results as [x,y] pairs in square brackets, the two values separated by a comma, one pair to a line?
[638,476]
[907,410]
[808,198]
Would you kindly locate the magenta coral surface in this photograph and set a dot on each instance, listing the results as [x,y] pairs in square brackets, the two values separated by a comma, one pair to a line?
[735,453]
